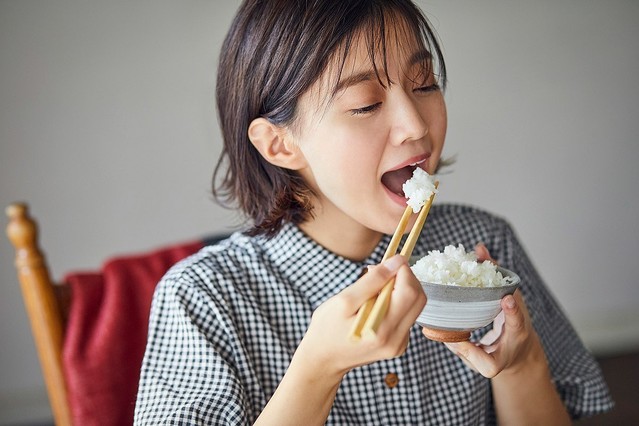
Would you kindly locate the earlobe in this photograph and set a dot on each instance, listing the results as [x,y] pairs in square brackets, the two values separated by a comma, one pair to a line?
[271,142]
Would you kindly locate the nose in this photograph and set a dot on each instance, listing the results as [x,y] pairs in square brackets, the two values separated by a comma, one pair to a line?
[408,123]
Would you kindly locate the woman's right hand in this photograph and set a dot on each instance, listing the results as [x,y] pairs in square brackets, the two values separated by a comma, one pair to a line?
[328,343]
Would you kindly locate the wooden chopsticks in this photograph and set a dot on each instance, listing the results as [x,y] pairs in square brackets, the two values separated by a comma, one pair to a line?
[365,309]
[372,312]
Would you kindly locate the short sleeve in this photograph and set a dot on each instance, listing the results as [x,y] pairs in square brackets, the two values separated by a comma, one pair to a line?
[188,375]
[576,374]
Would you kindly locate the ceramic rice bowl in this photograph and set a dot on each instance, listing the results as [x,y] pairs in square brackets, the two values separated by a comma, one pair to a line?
[453,312]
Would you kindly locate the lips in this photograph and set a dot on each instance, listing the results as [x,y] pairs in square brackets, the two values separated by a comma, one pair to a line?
[395,179]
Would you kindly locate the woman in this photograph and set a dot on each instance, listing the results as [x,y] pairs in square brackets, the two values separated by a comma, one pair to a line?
[326,107]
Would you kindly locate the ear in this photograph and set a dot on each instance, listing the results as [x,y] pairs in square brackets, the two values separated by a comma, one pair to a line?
[273,143]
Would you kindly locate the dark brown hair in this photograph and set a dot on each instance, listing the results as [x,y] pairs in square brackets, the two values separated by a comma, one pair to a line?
[273,53]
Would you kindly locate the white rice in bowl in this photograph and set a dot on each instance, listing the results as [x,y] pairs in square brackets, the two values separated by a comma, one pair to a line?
[454,266]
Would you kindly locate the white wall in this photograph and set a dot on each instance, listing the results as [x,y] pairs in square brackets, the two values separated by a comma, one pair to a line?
[544,117]
[108,130]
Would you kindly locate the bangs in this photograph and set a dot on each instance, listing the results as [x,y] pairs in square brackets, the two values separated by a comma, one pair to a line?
[378,26]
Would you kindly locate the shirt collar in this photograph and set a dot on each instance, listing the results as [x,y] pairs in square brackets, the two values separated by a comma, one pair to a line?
[317,272]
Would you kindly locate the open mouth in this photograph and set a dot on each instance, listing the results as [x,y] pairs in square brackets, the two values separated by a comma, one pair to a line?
[394,180]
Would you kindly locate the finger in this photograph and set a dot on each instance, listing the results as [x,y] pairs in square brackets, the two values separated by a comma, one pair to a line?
[406,303]
[498,323]
[452,348]
[493,335]
[519,298]
[482,253]
[484,363]
[371,283]
[514,319]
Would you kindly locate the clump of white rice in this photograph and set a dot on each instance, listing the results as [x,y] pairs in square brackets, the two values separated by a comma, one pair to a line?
[418,189]
[456,267]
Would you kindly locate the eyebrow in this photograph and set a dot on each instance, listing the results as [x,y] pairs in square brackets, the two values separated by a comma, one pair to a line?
[354,79]
[420,56]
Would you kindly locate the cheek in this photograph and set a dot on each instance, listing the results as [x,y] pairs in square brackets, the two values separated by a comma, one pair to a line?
[340,148]
[342,158]
[437,129]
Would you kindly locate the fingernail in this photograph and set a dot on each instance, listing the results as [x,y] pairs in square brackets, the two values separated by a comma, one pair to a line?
[510,302]
[394,263]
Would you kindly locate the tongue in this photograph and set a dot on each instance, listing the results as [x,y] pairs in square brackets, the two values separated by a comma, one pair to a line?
[395,179]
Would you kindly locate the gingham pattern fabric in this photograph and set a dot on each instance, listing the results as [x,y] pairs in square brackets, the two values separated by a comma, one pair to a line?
[226,321]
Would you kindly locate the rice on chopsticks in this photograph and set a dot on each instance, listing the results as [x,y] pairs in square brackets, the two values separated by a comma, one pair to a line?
[418,189]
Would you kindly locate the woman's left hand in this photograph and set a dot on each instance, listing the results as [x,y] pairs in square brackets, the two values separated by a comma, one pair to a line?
[511,343]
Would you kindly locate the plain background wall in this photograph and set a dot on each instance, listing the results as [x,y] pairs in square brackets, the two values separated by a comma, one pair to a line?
[108,130]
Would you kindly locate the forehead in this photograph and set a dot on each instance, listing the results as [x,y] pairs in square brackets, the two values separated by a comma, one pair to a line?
[385,50]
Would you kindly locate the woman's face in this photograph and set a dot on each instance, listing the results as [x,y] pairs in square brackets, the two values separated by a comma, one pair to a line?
[364,144]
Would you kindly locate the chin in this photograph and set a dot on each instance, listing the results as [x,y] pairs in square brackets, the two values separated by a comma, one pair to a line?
[386,224]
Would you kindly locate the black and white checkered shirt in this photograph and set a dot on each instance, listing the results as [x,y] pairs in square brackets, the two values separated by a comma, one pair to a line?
[226,321]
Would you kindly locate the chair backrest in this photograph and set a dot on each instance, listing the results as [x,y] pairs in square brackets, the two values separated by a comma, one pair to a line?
[90,330]
[45,304]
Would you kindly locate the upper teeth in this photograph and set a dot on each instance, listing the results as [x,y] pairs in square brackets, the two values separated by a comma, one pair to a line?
[418,162]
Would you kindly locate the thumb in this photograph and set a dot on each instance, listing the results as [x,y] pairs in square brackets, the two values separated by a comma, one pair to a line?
[374,280]
[482,253]
[513,314]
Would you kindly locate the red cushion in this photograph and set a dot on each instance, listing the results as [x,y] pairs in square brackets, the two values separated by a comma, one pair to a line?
[106,333]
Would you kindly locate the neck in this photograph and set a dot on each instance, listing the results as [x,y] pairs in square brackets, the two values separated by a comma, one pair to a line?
[343,236]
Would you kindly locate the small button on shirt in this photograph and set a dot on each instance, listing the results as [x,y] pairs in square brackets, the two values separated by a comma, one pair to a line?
[391,380]
[225,322]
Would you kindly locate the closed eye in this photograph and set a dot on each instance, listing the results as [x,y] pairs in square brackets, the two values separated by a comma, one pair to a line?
[430,88]
[366,110]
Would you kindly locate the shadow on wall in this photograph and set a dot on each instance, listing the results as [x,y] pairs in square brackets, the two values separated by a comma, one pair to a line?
[622,375]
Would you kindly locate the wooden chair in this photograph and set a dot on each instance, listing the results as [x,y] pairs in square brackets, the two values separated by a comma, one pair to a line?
[50,306]
[46,304]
